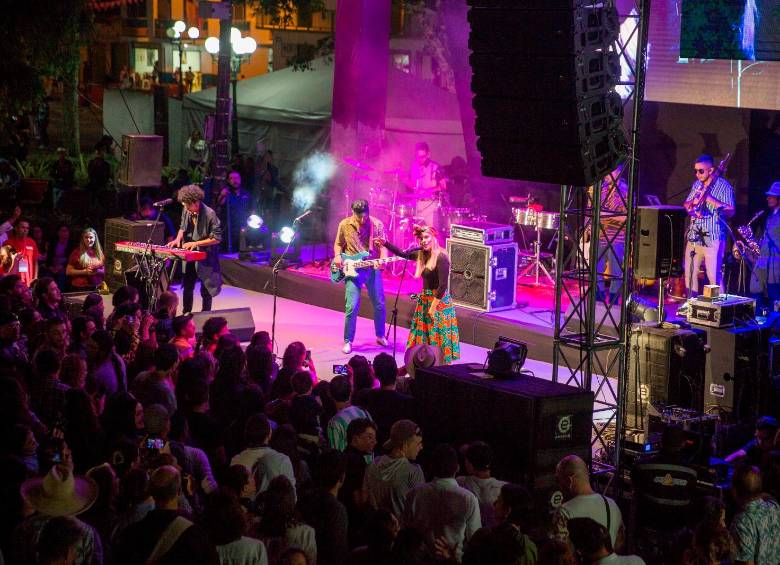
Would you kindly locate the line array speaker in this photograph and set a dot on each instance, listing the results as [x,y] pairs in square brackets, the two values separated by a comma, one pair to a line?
[543,83]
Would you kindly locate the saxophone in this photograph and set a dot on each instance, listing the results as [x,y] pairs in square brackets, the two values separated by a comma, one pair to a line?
[748,247]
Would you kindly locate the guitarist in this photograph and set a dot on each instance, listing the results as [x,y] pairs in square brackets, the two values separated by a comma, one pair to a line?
[356,235]
[710,203]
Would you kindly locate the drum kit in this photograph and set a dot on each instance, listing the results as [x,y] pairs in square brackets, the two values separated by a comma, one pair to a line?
[389,200]
[525,213]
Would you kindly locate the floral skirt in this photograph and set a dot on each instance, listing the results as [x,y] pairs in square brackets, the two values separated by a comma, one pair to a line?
[440,330]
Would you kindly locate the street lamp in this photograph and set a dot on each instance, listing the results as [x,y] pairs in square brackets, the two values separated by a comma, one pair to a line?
[176,33]
[241,49]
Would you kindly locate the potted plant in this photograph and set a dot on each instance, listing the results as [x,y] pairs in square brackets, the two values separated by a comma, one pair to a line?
[35,174]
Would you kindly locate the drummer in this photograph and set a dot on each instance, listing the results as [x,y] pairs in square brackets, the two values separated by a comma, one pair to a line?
[425,175]
[614,196]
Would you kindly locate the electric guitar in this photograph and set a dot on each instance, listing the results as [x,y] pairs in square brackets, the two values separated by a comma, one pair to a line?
[351,263]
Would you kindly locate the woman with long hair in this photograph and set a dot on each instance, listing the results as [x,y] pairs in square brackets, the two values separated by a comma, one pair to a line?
[434,322]
[86,263]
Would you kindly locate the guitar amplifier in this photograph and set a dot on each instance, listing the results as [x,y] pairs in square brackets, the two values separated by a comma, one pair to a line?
[483,277]
[118,263]
[487,233]
[721,312]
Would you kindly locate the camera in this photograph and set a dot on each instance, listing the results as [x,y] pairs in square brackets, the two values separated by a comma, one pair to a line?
[340,370]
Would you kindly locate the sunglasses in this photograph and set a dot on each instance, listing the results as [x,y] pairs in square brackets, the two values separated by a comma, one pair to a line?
[700,171]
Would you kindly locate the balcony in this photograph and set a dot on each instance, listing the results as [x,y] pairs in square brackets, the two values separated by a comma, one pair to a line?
[318,22]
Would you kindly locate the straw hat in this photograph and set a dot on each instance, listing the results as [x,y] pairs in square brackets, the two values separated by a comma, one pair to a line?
[59,493]
[422,355]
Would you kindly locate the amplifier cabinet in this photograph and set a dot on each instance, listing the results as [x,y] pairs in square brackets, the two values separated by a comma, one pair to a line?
[119,229]
[141,163]
[483,277]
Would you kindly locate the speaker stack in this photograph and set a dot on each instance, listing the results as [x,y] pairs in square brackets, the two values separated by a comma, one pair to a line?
[141,163]
[660,242]
[543,83]
[117,263]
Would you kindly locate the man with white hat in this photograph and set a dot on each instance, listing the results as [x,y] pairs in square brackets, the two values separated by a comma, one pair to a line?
[57,494]
[765,281]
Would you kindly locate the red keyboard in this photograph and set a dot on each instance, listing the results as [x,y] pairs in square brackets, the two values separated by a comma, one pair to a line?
[138,248]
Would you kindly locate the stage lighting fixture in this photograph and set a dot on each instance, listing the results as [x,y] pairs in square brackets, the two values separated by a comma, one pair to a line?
[506,359]
[641,310]
[286,234]
[254,221]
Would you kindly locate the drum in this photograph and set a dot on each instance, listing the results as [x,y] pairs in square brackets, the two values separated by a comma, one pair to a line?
[548,220]
[524,216]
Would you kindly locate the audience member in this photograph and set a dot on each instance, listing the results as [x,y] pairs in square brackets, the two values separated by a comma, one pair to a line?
[321,509]
[59,542]
[441,508]
[390,477]
[261,460]
[162,535]
[156,386]
[56,337]
[86,267]
[582,502]
[107,370]
[57,255]
[94,308]
[385,404]
[167,303]
[341,391]
[82,327]
[361,441]
[592,543]
[184,335]
[225,523]
[27,248]
[48,298]
[755,451]
[755,528]
[279,529]
[478,457]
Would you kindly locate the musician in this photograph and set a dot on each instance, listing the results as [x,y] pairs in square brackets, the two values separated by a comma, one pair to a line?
[765,281]
[707,230]
[356,234]
[425,174]
[434,321]
[199,228]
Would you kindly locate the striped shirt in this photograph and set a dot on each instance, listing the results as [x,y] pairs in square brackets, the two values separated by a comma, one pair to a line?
[337,426]
[712,224]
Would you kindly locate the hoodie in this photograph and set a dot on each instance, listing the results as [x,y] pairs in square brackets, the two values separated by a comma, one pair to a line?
[389,480]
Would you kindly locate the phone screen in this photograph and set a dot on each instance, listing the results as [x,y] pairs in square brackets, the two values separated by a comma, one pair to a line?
[308,354]
[340,370]
[154,443]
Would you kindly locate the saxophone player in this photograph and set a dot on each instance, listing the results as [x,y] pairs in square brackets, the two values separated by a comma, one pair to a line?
[765,281]
[709,204]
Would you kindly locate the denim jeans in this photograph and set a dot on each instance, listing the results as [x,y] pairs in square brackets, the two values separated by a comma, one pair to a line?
[352,287]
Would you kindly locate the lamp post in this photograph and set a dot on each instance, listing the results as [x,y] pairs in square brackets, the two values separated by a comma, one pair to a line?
[175,33]
[241,49]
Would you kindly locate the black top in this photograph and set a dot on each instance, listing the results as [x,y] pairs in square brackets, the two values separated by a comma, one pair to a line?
[386,407]
[435,280]
[323,512]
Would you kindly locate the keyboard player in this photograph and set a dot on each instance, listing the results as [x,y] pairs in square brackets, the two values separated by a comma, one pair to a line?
[199,230]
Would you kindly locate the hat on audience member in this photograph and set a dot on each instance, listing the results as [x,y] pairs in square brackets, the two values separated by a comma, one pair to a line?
[59,493]
[774,190]
[400,433]
[423,356]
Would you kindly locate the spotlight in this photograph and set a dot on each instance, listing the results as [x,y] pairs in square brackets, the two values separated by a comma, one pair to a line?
[641,310]
[286,234]
[506,359]
[254,221]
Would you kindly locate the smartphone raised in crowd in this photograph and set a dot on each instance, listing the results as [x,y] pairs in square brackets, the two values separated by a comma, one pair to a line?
[340,370]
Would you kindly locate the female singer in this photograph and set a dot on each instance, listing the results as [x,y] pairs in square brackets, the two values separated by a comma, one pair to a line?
[85,268]
[434,321]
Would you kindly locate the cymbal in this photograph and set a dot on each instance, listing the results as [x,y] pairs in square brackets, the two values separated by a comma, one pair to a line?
[519,199]
[357,164]
[394,172]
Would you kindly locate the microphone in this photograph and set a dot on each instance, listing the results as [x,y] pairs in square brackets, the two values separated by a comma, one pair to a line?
[302,216]
[757,216]
[163,203]
[412,249]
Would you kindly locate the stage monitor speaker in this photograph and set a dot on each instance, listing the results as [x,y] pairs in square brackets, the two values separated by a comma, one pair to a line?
[731,374]
[660,242]
[240,321]
[73,302]
[141,162]
[543,83]
[120,229]
[530,423]
[483,277]
[665,367]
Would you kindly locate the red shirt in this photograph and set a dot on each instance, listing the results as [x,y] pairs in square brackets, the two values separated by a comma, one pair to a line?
[84,281]
[29,251]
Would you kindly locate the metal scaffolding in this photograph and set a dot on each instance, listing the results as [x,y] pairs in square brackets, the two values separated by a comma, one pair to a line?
[592,326]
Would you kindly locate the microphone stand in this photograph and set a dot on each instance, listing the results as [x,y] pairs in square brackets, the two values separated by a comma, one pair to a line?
[279,266]
[150,274]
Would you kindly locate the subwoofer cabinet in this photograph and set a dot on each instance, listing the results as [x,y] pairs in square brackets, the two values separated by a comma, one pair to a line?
[483,277]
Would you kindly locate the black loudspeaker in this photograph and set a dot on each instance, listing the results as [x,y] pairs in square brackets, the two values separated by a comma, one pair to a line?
[240,321]
[731,374]
[141,162]
[660,242]
[530,423]
[119,229]
[543,83]
[73,302]
[483,277]
[665,367]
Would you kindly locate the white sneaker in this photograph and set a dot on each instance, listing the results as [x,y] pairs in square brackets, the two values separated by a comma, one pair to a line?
[380,340]
[682,311]
[347,349]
